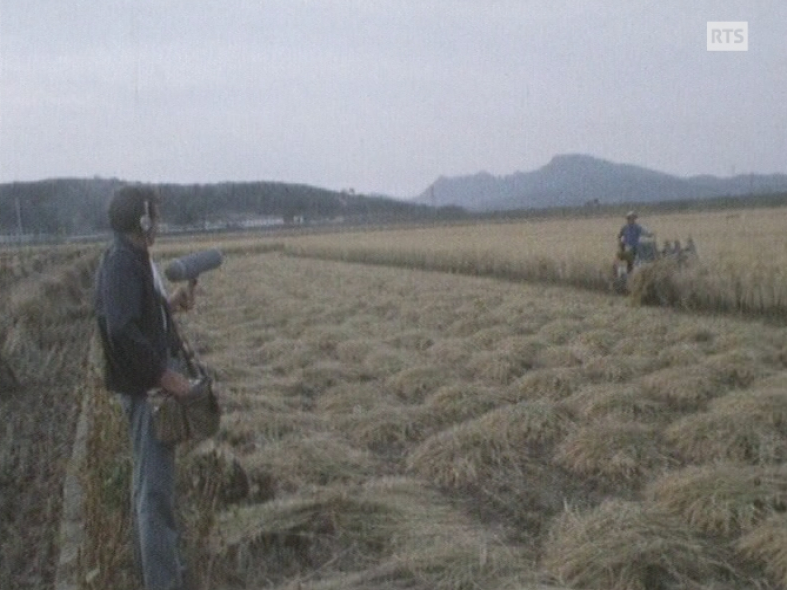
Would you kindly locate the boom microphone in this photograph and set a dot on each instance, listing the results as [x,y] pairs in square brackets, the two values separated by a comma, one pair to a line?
[188,268]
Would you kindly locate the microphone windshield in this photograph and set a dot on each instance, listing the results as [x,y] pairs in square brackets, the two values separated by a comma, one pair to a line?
[190,267]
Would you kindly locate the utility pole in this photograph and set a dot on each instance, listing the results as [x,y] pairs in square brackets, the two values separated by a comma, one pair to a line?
[19,229]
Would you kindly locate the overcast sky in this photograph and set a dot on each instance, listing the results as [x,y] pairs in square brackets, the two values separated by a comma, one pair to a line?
[383,96]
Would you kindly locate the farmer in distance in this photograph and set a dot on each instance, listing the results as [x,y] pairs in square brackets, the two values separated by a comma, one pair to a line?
[628,239]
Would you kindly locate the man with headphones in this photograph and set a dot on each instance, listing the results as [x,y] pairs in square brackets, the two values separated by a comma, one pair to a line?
[138,338]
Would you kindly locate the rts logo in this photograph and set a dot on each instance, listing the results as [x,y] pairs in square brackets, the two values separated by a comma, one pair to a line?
[728,36]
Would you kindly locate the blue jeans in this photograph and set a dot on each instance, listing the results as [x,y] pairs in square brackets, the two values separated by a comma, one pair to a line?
[153,500]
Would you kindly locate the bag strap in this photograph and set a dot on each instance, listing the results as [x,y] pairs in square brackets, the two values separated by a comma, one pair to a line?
[194,365]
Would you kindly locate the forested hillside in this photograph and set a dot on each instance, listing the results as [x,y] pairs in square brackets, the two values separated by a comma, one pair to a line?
[66,207]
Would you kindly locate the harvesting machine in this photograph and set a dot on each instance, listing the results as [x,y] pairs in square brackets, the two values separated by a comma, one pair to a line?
[648,252]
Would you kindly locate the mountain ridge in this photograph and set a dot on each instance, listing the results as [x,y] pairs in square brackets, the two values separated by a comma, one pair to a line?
[575,179]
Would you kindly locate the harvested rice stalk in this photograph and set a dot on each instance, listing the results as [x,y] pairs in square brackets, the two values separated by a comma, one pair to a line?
[722,499]
[616,452]
[510,435]
[630,546]
[767,545]
[744,427]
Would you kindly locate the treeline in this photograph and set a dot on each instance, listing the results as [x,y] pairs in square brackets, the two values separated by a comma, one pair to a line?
[74,207]
[68,207]
[55,207]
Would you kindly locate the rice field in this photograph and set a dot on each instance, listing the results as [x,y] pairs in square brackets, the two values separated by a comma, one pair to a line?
[391,427]
[740,268]
[747,238]
[388,426]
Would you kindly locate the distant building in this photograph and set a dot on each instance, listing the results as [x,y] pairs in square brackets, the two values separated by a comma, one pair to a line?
[261,222]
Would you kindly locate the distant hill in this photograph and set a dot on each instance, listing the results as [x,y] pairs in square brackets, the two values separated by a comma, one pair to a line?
[572,180]
[76,207]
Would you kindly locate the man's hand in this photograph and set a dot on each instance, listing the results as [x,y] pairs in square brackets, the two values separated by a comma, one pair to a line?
[183,297]
[174,383]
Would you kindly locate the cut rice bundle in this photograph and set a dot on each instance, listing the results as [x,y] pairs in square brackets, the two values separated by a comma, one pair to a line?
[766,544]
[618,453]
[630,546]
[744,427]
[507,436]
[722,499]
[410,534]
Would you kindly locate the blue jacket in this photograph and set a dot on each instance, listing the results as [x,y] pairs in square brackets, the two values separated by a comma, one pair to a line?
[133,320]
[630,234]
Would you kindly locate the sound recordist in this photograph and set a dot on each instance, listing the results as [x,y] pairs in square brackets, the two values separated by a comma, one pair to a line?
[138,338]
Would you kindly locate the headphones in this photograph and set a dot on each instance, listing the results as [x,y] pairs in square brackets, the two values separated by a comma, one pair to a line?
[146,221]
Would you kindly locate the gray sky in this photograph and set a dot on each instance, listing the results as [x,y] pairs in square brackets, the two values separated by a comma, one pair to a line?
[383,95]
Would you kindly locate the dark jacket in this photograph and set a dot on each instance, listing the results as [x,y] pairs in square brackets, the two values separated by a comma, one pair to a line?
[133,320]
